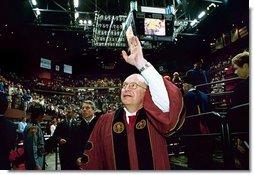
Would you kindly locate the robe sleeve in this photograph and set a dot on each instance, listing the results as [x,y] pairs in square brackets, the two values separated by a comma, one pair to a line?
[166,123]
[93,156]
[157,88]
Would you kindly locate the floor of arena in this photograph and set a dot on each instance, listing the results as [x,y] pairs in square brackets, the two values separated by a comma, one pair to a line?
[178,162]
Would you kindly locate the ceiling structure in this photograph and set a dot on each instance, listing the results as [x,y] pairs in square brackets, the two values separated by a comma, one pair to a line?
[51,29]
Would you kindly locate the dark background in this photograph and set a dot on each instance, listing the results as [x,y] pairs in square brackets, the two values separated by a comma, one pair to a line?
[24,40]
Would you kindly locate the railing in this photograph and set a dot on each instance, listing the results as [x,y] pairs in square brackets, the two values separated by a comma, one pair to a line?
[220,127]
[217,82]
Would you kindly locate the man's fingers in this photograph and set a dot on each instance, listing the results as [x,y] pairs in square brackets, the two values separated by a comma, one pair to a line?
[124,54]
[135,41]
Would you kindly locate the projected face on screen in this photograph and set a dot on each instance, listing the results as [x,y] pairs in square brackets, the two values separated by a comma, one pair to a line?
[155,27]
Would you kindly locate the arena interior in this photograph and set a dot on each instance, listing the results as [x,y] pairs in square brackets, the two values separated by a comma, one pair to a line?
[63,52]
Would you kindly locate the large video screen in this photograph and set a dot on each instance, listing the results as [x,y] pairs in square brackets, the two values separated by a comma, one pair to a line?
[45,63]
[67,69]
[154,27]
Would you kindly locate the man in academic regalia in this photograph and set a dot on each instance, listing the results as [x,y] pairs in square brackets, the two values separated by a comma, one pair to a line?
[199,149]
[133,137]
[84,129]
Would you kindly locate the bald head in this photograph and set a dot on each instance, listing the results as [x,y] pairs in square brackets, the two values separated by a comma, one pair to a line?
[138,78]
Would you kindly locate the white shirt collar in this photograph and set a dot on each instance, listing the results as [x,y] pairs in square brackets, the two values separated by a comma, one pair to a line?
[127,114]
[89,121]
[192,89]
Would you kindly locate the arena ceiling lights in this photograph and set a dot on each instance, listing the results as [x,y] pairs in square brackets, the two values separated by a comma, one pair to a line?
[103,29]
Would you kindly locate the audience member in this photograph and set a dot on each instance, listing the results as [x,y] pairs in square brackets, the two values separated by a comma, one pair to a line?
[177,80]
[240,96]
[7,135]
[34,140]
[50,142]
[241,92]
[27,99]
[63,135]
[21,127]
[122,141]
[53,126]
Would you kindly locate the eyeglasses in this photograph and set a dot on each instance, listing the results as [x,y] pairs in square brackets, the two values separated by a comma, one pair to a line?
[132,85]
[86,107]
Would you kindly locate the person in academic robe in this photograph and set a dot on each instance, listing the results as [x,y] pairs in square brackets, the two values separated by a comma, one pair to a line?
[134,136]
[84,129]
[199,149]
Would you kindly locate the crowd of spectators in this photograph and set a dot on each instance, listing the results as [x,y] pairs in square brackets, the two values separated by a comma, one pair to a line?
[220,71]
[56,93]
[53,94]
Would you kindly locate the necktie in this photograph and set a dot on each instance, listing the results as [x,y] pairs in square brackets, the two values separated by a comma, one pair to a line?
[131,120]
[69,123]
